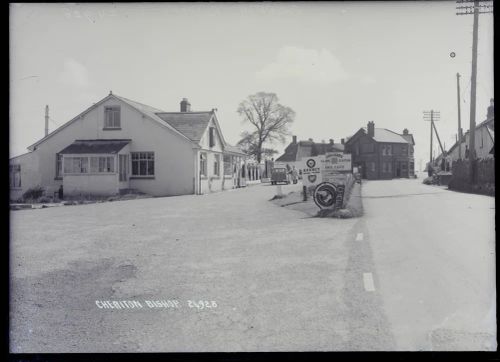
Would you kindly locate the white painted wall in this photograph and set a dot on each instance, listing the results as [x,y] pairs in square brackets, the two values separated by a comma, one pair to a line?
[30,175]
[91,184]
[174,174]
[483,144]
[212,183]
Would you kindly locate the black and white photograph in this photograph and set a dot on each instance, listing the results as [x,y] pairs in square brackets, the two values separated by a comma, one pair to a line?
[251,177]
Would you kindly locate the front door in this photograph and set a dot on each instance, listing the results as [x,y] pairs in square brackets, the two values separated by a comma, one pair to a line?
[398,169]
[123,167]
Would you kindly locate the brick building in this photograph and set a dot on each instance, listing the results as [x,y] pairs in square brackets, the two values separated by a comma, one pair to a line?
[381,153]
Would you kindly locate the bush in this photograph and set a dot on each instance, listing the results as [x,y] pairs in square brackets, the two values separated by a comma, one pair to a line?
[34,193]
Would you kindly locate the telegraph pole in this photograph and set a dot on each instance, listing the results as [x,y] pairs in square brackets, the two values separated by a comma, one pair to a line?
[46,120]
[432,116]
[478,7]
[459,121]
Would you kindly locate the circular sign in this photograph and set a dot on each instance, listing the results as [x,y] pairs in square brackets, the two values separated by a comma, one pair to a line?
[324,195]
[310,163]
[452,54]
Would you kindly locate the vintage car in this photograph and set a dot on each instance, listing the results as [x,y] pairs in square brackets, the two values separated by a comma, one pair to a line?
[279,174]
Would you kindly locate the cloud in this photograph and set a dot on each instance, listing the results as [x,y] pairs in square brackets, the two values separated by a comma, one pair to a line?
[74,73]
[310,65]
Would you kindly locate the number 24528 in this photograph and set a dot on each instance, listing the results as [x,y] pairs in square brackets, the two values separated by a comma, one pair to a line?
[202,304]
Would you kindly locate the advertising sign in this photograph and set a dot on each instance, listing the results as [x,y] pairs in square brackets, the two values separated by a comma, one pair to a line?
[338,161]
[311,171]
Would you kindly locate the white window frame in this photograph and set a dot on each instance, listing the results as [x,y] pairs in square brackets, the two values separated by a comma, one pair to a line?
[77,162]
[144,156]
[112,117]
[203,164]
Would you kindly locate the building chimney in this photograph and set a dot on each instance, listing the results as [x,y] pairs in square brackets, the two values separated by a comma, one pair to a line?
[331,141]
[185,105]
[46,120]
[371,129]
[311,140]
[342,141]
[405,131]
[294,139]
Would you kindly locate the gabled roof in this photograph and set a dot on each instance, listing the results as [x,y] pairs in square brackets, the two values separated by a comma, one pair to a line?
[146,110]
[386,136]
[190,124]
[295,151]
[111,146]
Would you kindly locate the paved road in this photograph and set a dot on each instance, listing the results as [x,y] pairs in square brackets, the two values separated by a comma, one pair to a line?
[434,255]
[280,280]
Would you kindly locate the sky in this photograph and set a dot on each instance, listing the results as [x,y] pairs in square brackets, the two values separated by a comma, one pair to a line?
[338,65]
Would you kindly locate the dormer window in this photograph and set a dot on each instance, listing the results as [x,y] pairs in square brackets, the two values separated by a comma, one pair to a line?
[112,117]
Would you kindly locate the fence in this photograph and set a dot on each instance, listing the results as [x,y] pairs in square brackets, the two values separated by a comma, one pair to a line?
[483,172]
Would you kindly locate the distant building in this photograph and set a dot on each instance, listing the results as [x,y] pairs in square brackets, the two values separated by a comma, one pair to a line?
[298,149]
[484,139]
[381,153]
[118,144]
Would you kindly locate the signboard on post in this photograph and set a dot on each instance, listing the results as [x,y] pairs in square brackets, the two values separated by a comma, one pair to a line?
[311,171]
[338,161]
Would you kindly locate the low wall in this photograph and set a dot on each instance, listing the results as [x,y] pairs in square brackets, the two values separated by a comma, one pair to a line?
[483,176]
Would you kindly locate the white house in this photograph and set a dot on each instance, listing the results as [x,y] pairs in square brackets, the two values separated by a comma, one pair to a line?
[118,144]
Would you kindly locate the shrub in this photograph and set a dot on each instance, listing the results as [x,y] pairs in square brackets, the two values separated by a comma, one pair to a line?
[34,193]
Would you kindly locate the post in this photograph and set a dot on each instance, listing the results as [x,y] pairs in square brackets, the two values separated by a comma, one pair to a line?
[46,120]
[472,136]
[459,120]
[304,192]
[432,112]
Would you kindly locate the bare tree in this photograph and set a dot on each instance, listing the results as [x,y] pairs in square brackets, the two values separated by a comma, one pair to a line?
[270,121]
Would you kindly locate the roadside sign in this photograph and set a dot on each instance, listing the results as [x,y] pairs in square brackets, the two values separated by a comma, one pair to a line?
[311,171]
[338,161]
[325,195]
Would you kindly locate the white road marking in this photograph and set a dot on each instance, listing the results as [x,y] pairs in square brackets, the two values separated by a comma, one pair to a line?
[368,282]
[359,237]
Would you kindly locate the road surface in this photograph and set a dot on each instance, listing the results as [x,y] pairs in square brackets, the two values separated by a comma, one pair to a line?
[406,276]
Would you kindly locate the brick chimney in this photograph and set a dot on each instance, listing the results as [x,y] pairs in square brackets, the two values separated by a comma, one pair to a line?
[294,139]
[405,131]
[331,141]
[311,140]
[185,105]
[342,141]
[371,129]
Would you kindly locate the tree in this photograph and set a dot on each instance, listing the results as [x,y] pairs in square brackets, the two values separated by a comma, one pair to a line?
[270,121]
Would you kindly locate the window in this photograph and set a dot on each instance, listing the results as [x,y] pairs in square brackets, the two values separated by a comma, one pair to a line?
[372,165]
[386,150]
[403,166]
[112,117]
[227,165]
[76,165]
[404,150]
[217,165]
[59,165]
[203,164]
[102,164]
[212,136]
[15,176]
[143,163]
[411,150]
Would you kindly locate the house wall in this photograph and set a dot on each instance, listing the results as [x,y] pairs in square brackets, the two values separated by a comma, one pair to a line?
[212,183]
[174,174]
[376,172]
[483,144]
[30,175]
